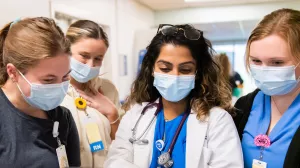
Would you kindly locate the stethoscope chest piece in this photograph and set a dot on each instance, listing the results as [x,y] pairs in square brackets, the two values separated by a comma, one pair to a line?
[139,142]
[165,160]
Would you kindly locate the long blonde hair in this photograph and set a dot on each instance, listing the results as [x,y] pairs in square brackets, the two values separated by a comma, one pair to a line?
[87,29]
[27,41]
[282,22]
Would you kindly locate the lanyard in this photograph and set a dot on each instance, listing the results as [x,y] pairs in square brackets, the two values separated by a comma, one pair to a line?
[55,131]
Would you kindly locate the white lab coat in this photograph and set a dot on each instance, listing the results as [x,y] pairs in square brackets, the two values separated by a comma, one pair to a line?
[222,149]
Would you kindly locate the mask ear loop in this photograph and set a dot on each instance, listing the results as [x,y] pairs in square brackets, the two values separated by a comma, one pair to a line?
[25,78]
[297,65]
[20,87]
[298,79]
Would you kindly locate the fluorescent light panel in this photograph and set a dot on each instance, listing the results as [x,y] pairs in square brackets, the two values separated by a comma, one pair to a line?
[201,0]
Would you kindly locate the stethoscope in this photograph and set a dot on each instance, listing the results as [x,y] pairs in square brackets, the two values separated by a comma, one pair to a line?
[164,159]
[139,140]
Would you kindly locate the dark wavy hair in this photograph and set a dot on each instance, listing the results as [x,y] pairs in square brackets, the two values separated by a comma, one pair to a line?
[211,89]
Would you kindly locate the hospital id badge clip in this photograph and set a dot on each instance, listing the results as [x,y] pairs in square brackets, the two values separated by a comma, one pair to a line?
[93,136]
[258,164]
[61,150]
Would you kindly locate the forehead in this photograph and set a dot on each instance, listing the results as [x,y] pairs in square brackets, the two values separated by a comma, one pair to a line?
[89,45]
[270,47]
[175,54]
[58,65]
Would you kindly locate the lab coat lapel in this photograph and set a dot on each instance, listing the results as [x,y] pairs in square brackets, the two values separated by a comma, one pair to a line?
[196,132]
[143,153]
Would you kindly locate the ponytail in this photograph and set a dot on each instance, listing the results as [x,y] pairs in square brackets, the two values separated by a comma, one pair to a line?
[3,72]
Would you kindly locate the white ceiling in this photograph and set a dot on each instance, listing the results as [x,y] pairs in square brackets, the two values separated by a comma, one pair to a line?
[227,31]
[175,4]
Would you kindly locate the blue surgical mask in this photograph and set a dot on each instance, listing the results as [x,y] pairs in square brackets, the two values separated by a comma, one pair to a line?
[274,80]
[172,87]
[83,73]
[45,96]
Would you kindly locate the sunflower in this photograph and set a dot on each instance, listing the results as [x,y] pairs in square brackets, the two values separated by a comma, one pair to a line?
[80,103]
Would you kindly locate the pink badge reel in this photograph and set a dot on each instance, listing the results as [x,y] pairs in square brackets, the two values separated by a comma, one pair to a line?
[262,141]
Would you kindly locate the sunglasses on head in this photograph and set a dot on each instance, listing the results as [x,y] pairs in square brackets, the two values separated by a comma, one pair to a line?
[171,30]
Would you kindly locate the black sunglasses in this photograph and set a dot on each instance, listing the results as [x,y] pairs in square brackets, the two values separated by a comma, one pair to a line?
[171,30]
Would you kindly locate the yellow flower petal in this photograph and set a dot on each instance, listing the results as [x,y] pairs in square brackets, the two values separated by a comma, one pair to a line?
[80,103]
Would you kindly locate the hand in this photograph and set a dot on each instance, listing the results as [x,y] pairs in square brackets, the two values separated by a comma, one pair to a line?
[101,103]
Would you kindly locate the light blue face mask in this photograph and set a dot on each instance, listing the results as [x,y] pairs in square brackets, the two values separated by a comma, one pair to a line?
[45,96]
[275,80]
[172,87]
[83,73]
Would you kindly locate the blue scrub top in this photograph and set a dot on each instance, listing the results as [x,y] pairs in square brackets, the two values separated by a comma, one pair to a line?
[169,128]
[280,136]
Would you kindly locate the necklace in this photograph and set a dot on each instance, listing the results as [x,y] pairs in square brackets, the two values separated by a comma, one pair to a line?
[276,106]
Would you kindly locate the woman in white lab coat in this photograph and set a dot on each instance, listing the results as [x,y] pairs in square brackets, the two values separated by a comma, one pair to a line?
[178,108]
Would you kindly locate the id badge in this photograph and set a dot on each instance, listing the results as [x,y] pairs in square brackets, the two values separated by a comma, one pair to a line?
[94,137]
[62,156]
[258,164]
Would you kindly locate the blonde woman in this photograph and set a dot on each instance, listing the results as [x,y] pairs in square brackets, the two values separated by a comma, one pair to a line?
[34,77]
[177,109]
[93,101]
[269,118]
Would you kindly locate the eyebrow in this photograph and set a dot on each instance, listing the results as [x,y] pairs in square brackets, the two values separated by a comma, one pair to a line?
[165,62]
[181,64]
[274,58]
[84,53]
[51,75]
[100,56]
[189,62]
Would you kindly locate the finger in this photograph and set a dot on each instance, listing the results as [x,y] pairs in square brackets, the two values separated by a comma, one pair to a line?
[85,97]
[91,104]
[83,94]
[100,91]
[94,91]
[88,103]
[80,92]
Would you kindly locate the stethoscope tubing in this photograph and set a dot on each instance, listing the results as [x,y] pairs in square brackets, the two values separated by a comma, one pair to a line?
[158,106]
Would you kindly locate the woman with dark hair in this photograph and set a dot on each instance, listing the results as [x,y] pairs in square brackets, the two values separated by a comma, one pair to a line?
[177,108]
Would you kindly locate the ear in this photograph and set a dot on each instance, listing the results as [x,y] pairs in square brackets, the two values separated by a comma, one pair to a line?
[12,72]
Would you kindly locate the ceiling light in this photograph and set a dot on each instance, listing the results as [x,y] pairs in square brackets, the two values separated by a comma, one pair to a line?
[201,0]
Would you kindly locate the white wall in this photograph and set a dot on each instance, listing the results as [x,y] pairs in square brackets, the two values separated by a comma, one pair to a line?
[13,9]
[222,13]
[123,18]
[131,18]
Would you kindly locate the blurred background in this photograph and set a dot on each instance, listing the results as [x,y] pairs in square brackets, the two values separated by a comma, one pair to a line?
[131,24]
